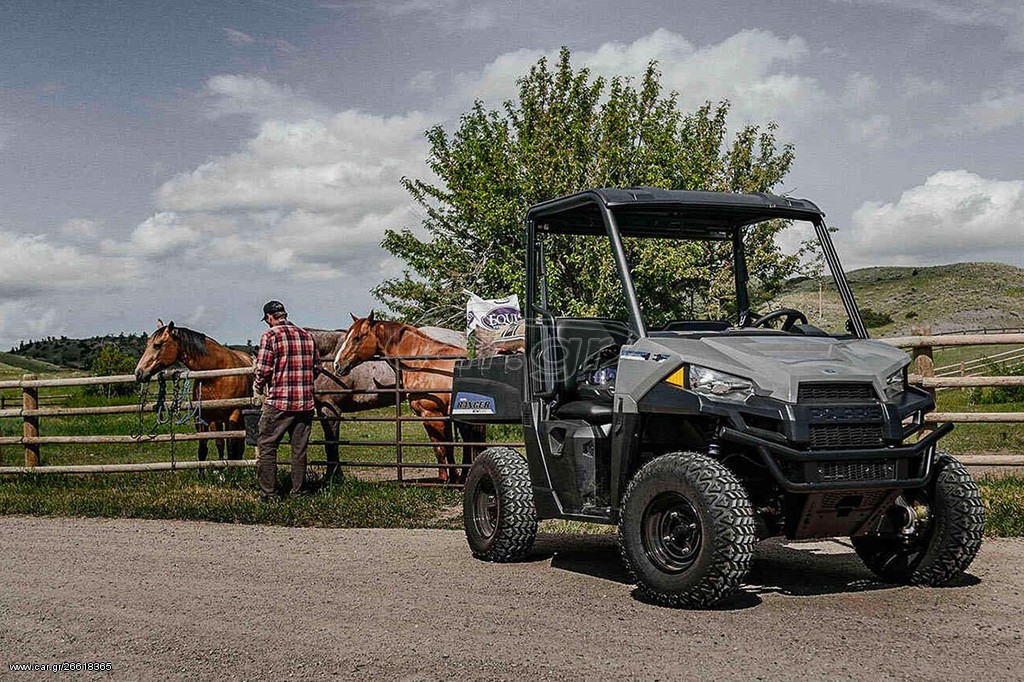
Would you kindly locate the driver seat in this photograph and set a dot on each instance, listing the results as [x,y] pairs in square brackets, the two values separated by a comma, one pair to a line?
[579,339]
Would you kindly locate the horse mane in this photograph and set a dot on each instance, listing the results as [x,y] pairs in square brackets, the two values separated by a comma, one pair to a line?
[192,342]
[395,331]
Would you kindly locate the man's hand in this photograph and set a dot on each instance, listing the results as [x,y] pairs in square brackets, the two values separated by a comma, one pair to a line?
[259,393]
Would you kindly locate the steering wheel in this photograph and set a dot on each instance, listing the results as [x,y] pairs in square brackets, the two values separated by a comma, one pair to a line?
[790,315]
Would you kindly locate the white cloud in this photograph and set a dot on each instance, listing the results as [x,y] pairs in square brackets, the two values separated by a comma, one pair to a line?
[297,198]
[236,37]
[954,216]
[32,264]
[996,109]
[23,320]
[80,228]
[160,235]
[874,130]
[750,68]
[915,87]
[861,89]
[252,96]
[354,159]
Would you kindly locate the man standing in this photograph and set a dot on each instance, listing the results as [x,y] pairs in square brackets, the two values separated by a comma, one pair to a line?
[285,364]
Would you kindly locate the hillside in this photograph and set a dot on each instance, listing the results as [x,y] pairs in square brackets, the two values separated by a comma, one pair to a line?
[948,298]
[75,353]
[11,362]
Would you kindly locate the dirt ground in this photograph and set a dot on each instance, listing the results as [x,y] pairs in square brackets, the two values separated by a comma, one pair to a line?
[170,599]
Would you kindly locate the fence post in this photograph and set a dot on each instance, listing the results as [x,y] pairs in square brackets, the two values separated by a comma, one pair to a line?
[398,417]
[924,365]
[30,425]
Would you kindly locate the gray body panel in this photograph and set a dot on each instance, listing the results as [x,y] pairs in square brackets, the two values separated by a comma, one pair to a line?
[777,362]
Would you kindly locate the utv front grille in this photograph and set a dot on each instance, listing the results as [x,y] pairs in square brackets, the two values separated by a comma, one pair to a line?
[828,393]
[845,436]
[856,471]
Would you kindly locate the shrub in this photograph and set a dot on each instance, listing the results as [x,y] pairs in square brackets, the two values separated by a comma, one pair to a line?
[111,361]
[999,394]
[873,318]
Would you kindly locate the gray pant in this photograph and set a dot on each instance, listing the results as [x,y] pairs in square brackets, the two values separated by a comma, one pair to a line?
[274,423]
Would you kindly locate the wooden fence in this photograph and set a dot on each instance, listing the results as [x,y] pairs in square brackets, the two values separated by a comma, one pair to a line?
[31,439]
[923,374]
[31,412]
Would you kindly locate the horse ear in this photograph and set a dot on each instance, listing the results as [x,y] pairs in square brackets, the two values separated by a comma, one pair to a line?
[353,316]
[170,325]
[370,318]
[159,323]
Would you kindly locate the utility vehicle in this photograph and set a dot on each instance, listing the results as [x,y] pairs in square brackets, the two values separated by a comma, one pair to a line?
[700,437]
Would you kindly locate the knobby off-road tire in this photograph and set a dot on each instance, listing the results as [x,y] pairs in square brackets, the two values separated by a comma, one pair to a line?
[497,506]
[686,531]
[950,540]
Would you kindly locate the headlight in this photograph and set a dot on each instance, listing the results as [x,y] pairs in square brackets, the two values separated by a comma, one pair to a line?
[896,383]
[719,385]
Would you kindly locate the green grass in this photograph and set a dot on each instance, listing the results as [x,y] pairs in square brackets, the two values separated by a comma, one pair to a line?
[229,496]
[17,364]
[980,438]
[1004,505]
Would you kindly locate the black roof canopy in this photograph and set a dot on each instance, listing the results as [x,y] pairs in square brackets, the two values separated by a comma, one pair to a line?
[654,212]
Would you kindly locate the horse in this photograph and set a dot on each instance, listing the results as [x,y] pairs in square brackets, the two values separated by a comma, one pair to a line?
[358,389]
[170,344]
[367,338]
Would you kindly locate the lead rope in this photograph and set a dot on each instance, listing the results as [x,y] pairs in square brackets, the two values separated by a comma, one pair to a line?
[178,412]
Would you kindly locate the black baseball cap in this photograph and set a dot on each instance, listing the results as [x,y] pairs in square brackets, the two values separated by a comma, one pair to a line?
[273,308]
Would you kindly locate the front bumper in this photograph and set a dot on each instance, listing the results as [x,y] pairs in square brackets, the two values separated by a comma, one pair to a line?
[903,466]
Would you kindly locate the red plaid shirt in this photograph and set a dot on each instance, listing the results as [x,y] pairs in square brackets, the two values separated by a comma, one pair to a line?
[284,365]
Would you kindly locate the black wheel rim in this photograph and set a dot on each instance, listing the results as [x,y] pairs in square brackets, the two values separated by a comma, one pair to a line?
[485,507]
[671,532]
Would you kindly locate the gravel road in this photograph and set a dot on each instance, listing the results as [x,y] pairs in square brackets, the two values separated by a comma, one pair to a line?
[168,599]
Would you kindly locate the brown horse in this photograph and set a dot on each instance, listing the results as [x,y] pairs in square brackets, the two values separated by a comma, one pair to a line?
[330,388]
[367,338]
[170,344]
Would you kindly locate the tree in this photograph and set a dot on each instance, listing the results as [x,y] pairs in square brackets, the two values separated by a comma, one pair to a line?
[112,361]
[568,131]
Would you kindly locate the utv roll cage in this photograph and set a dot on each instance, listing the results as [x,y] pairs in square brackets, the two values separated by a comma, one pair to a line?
[671,214]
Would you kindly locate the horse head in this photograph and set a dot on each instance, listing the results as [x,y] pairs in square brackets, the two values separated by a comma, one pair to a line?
[360,344]
[162,351]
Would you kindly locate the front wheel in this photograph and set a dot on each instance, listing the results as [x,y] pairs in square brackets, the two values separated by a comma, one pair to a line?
[497,506]
[686,530]
[932,534]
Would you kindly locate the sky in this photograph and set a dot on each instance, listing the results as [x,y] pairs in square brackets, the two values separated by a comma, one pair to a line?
[189,161]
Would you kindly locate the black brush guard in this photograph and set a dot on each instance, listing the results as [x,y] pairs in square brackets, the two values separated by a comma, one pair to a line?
[771,452]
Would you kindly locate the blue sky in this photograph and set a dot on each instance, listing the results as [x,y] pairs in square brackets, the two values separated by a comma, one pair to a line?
[190,160]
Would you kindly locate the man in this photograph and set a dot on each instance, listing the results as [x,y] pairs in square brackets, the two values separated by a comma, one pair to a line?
[285,366]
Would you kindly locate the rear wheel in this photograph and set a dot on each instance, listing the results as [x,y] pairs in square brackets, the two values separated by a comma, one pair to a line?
[932,534]
[497,506]
[686,530]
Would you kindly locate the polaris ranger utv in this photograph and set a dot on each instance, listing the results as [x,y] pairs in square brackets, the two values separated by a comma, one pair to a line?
[702,436]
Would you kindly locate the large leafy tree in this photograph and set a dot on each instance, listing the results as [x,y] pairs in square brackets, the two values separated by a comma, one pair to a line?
[568,131]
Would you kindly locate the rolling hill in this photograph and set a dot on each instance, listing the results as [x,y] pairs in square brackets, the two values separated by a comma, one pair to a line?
[948,298]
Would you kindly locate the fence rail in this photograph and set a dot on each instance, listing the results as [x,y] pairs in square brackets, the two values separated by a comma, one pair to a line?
[922,348]
[923,374]
[30,413]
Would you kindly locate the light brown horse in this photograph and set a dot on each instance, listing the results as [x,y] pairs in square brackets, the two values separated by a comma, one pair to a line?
[367,381]
[429,382]
[170,344]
